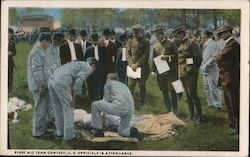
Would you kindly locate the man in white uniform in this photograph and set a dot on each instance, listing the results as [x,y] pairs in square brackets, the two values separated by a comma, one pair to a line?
[117,100]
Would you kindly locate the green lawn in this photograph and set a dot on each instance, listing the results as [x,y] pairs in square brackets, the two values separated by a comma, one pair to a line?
[212,136]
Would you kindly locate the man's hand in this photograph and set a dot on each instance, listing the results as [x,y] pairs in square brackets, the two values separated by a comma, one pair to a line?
[166,58]
[134,67]
[42,90]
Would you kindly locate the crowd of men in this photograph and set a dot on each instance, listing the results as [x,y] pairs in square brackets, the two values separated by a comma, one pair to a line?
[61,65]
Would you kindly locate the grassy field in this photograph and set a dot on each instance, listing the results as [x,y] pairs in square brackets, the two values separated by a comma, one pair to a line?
[213,135]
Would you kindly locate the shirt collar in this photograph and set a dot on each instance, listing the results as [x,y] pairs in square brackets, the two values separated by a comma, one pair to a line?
[163,40]
[184,39]
[229,39]
[206,42]
[70,42]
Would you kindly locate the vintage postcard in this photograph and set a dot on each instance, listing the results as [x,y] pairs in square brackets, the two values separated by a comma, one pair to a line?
[66,90]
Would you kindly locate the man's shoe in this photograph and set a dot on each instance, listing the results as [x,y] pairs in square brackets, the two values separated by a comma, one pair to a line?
[59,137]
[136,134]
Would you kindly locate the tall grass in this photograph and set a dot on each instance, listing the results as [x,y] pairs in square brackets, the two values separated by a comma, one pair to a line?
[212,136]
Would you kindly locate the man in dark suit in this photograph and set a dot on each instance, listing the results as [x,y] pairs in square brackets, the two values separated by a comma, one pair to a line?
[121,60]
[96,80]
[110,49]
[229,75]
[113,38]
[70,51]
[83,41]
[11,53]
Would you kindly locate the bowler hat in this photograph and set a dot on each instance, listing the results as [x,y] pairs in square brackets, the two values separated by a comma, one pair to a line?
[11,31]
[83,32]
[95,37]
[178,30]
[106,31]
[91,60]
[112,32]
[223,29]
[44,36]
[123,37]
[58,35]
[72,31]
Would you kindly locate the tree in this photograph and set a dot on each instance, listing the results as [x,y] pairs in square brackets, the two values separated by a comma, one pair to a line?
[13,16]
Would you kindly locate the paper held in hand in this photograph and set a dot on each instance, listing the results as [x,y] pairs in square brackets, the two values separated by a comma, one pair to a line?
[161,65]
[178,86]
[189,61]
[133,74]
[124,54]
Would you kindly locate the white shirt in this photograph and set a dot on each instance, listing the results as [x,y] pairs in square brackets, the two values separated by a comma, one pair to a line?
[83,44]
[96,52]
[106,42]
[229,39]
[124,54]
[72,50]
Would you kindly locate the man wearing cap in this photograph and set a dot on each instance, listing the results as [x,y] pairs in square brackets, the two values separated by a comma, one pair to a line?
[121,61]
[137,56]
[64,84]
[54,52]
[11,53]
[117,100]
[189,61]
[39,72]
[70,51]
[96,80]
[168,50]
[110,50]
[83,41]
[210,71]
[55,62]
[229,75]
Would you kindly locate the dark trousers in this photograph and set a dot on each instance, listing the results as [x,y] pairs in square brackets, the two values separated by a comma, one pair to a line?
[232,100]
[168,92]
[10,77]
[190,86]
[95,93]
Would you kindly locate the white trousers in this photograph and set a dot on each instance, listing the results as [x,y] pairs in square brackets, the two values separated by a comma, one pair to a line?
[39,113]
[211,89]
[102,106]
[63,110]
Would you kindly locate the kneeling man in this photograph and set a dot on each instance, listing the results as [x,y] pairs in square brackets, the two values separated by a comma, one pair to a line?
[117,100]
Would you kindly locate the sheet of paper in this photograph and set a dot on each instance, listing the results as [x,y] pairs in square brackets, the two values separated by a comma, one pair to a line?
[124,54]
[133,74]
[178,86]
[113,58]
[161,65]
[189,61]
